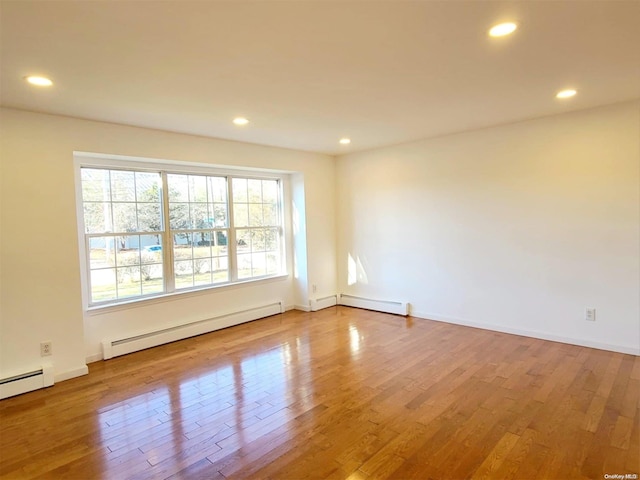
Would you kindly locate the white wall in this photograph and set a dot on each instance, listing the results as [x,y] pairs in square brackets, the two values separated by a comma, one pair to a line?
[515,228]
[299,230]
[40,270]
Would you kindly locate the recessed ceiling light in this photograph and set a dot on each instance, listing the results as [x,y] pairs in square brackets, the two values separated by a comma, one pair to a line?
[240,121]
[39,81]
[345,141]
[502,29]
[566,93]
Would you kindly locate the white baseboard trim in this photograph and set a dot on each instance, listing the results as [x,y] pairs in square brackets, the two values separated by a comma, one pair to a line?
[75,372]
[96,357]
[528,333]
[302,308]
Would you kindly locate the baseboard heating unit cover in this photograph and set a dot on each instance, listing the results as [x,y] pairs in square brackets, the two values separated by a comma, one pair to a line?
[26,382]
[398,308]
[320,303]
[116,347]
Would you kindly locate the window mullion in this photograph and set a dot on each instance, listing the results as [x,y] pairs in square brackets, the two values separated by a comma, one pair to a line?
[233,261]
[167,239]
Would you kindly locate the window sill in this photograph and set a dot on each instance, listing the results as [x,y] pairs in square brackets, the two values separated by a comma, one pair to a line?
[168,297]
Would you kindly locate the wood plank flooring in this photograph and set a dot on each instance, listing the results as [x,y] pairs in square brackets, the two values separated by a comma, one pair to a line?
[340,393]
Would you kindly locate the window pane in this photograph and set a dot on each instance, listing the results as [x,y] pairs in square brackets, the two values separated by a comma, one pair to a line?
[97,218]
[182,241]
[257,240]
[255,215]
[151,257]
[202,242]
[270,191]
[201,266]
[217,190]
[273,263]
[220,269]
[151,249]
[123,186]
[271,240]
[258,264]
[95,185]
[183,251]
[148,187]
[184,273]
[240,215]
[151,269]
[220,243]
[127,250]
[149,217]
[243,239]
[197,188]
[124,217]
[179,216]
[202,271]
[152,279]
[178,188]
[270,213]
[101,252]
[220,214]
[200,215]
[244,265]
[255,190]
[129,284]
[239,190]
[185,264]
[103,285]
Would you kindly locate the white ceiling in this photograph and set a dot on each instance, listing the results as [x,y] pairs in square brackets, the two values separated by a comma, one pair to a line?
[308,73]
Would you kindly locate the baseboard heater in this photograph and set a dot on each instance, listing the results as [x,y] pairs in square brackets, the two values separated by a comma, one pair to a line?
[325,302]
[26,382]
[116,347]
[397,308]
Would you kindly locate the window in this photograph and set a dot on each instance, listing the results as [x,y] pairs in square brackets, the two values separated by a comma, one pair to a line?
[198,213]
[255,213]
[156,232]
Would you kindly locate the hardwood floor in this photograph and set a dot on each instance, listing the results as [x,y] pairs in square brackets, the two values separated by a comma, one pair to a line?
[340,393]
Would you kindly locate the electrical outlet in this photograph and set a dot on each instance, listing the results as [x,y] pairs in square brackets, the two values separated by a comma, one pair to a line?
[590,314]
[46,349]
[314,288]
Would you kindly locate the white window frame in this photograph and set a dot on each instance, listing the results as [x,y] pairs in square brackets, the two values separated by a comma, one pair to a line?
[165,167]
